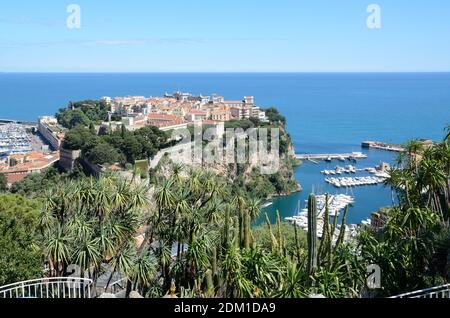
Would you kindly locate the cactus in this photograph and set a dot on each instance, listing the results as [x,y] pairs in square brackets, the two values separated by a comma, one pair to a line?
[209,283]
[241,227]
[333,229]
[340,239]
[312,234]
[326,250]
[274,239]
[253,239]
[247,230]
[226,236]
[324,243]
[236,231]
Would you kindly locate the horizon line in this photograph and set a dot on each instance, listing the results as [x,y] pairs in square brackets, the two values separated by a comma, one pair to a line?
[224,72]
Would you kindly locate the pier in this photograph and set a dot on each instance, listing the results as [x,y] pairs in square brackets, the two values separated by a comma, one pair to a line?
[330,156]
[382,146]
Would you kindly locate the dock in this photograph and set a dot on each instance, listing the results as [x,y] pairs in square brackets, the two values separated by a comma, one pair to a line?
[331,156]
[4,121]
[382,146]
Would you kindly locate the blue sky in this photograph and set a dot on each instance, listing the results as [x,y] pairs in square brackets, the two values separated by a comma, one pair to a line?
[224,35]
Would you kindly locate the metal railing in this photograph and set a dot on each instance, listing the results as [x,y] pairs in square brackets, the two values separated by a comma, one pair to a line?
[435,292]
[55,287]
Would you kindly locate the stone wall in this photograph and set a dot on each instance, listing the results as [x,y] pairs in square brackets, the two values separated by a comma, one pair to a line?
[68,158]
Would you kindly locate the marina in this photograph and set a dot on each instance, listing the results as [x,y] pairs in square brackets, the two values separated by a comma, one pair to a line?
[368,197]
[336,204]
[354,182]
[20,122]
[379,175]
[340,170]
[14,139]
[329,157]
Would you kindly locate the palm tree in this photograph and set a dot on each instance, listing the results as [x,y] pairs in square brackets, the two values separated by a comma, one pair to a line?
[95,223]
[402,180]
[414,149]
[432,179]
[254,207]
[57,249]
[144,271]
[442,154]
[294,283]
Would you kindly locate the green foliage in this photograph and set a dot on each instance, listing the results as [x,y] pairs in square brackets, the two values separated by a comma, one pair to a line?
[20,259]
[103,153]
[409,246]
[80,138]
[3,182]
[243,123]
[142,166]
[275,117]
[263,238]
[121,145]
[312,235]
[83,113]
[33,184]
[90,222]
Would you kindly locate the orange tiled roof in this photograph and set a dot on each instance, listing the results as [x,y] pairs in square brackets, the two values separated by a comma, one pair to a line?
[156,116]
[20,170]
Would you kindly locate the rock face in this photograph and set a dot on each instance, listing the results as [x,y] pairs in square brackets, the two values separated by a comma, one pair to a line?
[276,170]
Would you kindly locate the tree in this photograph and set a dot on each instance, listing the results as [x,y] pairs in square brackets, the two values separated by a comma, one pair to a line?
[78,118]
[132,148]
[103,153]
[20,258]
[80,138]
[93,222]
[274,116]
[151,139]
[82,113]
[33,183]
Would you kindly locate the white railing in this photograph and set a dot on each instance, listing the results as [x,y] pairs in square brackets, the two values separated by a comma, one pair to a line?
[54,287]
[435,292]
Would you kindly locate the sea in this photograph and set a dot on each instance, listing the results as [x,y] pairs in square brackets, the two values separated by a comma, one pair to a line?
[326,113]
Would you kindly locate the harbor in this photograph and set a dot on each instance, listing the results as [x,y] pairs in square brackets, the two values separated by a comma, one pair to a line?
[329,157]
[368,198]
[382,146]
[336,203]
[14,139]
[354,182]
[20,122]
[18,139]
[379,173]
